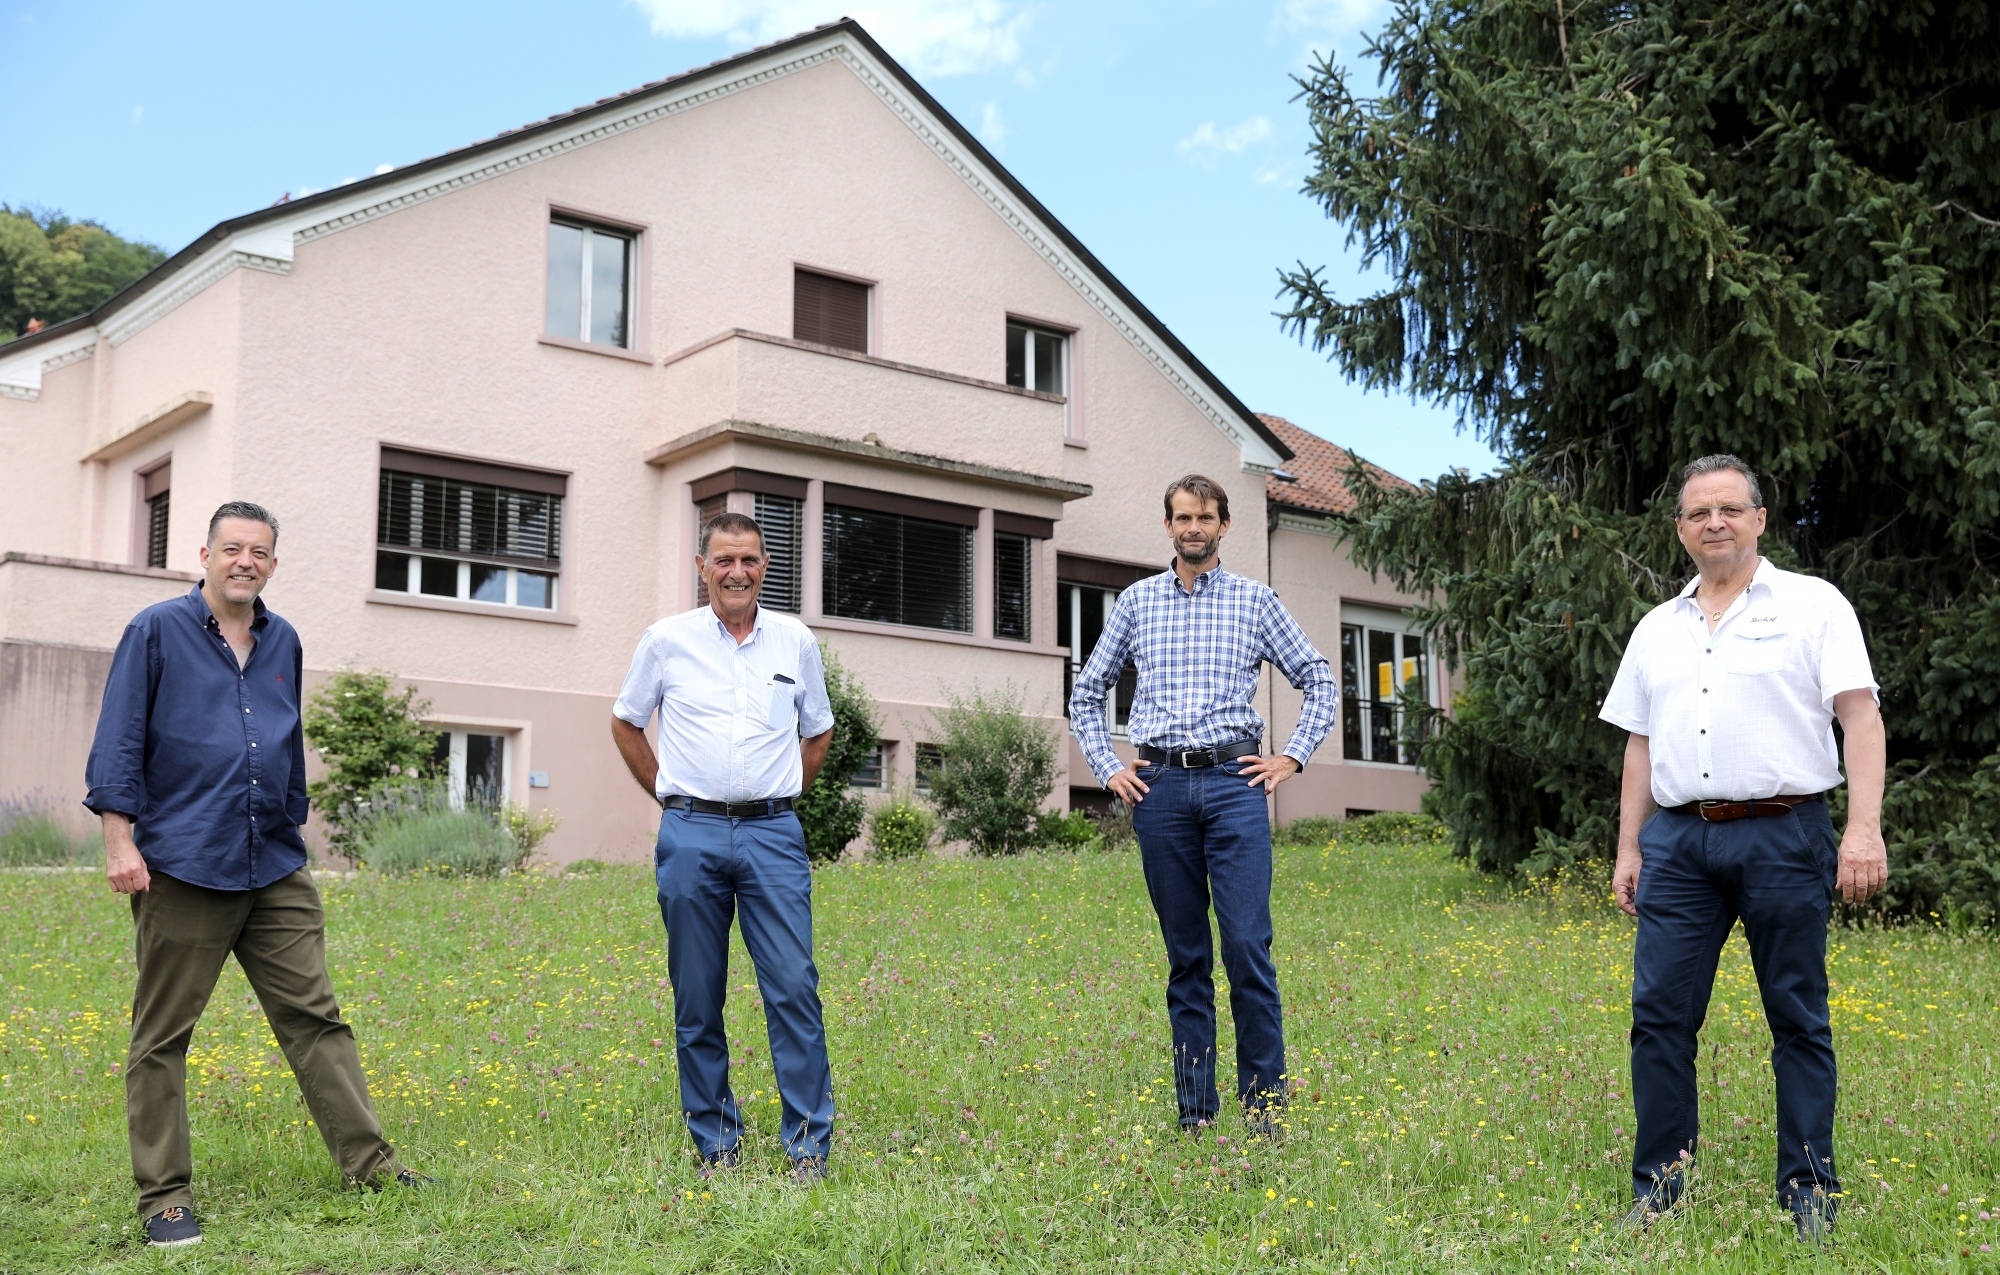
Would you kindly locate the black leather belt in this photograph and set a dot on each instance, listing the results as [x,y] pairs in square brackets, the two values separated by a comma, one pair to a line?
[1728,811]
[1196,758]
[733,809]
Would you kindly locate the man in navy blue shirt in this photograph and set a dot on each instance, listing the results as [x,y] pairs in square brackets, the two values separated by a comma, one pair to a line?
[198,772]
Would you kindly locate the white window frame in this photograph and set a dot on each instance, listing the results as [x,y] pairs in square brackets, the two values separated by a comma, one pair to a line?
[414,582]
[1400,624]
[455,789]
[1067,338]
[1118,725]
[630,238]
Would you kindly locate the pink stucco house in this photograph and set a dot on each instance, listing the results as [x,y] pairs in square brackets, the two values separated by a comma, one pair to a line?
[490,394]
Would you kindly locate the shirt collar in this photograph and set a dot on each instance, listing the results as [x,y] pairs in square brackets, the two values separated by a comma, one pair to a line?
[1206,580]
[1765,573]
[259,616]
[756,626]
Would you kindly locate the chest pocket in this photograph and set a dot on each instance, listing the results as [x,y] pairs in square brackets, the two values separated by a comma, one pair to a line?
[1760,648]
[783,710]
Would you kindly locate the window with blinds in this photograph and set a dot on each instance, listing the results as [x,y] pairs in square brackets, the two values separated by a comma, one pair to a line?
[705,512]
[155,490]
[897,569]
[1013,586]
[781,519]
[474,541]
[829,311]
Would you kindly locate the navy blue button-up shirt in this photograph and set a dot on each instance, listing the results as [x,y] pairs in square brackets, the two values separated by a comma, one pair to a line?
[206,759]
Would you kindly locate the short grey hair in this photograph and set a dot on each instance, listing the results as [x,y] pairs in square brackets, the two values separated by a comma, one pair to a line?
[731,522]
[247,511]
[1714,465]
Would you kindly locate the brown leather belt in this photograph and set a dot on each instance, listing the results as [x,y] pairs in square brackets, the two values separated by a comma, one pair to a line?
[1725,811]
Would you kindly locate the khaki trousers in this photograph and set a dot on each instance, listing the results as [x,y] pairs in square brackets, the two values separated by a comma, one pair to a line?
[184,934]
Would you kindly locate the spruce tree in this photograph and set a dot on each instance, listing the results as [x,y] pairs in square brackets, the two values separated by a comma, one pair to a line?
[1618,236]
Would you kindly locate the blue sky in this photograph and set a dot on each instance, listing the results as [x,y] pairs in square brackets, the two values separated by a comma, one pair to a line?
[1161,132]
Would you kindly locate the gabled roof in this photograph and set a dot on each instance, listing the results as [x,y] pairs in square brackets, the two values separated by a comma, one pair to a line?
[264,239]
[1321,470]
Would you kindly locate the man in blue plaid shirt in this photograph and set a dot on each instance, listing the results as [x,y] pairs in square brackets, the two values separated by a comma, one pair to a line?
[1199,637]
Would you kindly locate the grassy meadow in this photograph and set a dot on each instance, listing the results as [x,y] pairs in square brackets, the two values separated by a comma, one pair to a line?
[999,1049]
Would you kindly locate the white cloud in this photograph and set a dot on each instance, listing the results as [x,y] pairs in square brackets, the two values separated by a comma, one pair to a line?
[1339,16]
[1273,174]
[1207,142]
[992,128]
[931,37]
[384,168]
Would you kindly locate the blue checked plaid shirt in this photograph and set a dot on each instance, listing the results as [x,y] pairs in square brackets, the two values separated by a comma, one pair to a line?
[1198,655]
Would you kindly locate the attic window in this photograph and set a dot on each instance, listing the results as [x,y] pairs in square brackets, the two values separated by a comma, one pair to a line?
[829,311]
[590,283]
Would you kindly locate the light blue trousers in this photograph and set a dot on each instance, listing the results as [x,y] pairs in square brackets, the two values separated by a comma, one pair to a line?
[708,867]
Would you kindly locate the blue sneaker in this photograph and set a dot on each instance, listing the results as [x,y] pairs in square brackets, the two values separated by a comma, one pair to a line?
[171,1228]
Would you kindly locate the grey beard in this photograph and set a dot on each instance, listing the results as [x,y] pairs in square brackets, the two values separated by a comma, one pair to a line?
[1208,554]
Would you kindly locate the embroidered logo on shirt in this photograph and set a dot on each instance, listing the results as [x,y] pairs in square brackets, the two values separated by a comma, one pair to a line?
[1763,619]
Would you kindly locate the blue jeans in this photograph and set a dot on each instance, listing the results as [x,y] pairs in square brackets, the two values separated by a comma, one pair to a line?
[1695,880]
[707,866]
[1206,835]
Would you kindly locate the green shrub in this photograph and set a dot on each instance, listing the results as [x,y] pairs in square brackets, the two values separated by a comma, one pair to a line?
[830,810]
[1392,829]
[1114,828]
[1067,831]
[404,831]
[995,768]
[1314,830]
[370,737]
[900,829]
[32,835]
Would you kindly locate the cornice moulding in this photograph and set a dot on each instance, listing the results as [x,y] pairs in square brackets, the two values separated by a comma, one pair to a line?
[166,416]
[21,375]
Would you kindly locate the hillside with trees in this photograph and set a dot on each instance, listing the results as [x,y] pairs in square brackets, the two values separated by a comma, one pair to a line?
[52,268]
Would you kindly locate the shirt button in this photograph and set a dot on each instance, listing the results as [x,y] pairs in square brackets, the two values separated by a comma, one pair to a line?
[253,781]
[1704,774]
[1704,691]
[1704,730]
[253,743]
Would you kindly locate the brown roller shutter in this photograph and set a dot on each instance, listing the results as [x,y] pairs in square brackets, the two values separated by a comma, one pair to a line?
[1024,525]
[829,311]
[437,465]
[1096,571]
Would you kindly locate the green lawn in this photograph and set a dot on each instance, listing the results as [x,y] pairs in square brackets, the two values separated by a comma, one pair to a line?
[1000,1057]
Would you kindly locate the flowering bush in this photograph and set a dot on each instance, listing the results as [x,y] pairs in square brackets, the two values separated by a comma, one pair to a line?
[901,829]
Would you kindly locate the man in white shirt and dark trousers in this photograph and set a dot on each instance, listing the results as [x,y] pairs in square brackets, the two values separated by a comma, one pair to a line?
[736,687]
[1199,636]
[1729,692]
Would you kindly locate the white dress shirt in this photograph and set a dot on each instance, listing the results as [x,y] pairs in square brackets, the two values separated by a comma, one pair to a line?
[1746,712]
[730,715]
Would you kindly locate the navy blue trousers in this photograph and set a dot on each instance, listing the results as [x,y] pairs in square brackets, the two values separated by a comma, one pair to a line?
[1205,836]
[1696,880]
[708,867]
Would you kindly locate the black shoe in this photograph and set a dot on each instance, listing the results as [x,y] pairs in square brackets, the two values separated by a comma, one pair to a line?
[1640,1217]
[809,1170]
[1813,1214]
[412,1178]
[716,1163]
[171,1228]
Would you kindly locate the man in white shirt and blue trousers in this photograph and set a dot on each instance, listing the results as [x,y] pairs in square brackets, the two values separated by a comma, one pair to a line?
[736,688]
[1199,637]
[1729,692]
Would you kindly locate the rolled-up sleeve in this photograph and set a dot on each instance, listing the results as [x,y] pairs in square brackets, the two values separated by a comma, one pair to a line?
[115,774]
[297,806]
